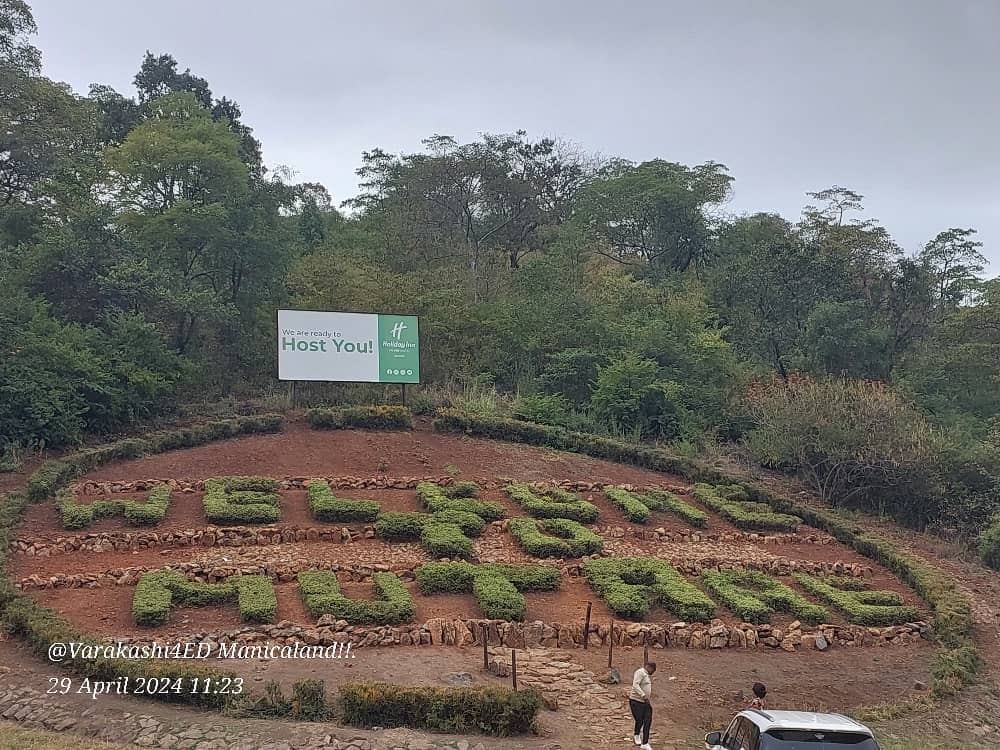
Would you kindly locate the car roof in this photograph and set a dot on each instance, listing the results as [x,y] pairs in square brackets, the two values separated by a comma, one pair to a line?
[808,720]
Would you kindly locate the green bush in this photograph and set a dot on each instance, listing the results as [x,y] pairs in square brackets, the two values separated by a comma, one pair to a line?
[542,408]
[989,544]
[235,501]
[80,515]
[632,586]
[552,502]
[555,537]
[361,417]
[628,503]
[159,590]
[754,596]
[322,596]
[445,540]
[486,710]
[498,587]
[748,516]
[461,497]
[324,506]
[869,608]
[394,526]
[469,523]
[668,501]
[52,475]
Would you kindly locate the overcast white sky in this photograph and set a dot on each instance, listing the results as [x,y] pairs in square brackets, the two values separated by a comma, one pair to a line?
[897,99]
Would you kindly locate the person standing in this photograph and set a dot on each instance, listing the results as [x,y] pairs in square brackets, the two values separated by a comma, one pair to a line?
[638,701]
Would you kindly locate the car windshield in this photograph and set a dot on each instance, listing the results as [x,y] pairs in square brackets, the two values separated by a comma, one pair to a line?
[798,739]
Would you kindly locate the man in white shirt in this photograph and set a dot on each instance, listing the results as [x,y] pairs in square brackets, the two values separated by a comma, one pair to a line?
[638,701]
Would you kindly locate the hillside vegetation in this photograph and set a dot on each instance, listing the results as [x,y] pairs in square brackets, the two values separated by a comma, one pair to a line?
[146,247]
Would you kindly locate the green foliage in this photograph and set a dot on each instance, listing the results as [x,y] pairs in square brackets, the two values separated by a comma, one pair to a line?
[870,608]
[445,540]
[324,506]
[543,408]
[630,396]
[570,373]
[53,475]
[78,516]
[362,417]
[742,514]
[159,590]
[668,501]
[396,526]
[629,504]
[498,587]
[485,710]
[754,596]
[552,502]
[322,596]
[989,544]
[632,586]
[461,497]
[555,537]
[234,501]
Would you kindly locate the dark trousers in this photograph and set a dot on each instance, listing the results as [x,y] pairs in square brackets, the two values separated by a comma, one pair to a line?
[643,715]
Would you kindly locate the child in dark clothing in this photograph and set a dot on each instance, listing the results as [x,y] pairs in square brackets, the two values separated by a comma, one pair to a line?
[759,696]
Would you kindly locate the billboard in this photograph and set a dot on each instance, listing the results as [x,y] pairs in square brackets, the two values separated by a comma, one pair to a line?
[349,347]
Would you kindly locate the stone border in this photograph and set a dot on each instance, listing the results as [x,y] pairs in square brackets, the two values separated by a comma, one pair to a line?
[286,572]
[468,632]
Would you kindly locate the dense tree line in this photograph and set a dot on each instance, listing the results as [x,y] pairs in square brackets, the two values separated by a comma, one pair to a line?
[145,248]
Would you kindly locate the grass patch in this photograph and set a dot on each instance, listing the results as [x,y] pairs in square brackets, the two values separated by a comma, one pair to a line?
[498,587]
[76,515]
[668,501]
[860,606]
[235,501]
[755,596]
[361,417]
[733,505]
[159,590]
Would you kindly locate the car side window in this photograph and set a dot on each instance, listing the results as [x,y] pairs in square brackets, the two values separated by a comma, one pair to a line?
[729,738]
[739,735]
[752,741]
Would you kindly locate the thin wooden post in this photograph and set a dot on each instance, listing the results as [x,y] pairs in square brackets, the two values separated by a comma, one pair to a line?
[611,643]
[645,648]
[513,668]
[402,392]
[485,636]
[586,627]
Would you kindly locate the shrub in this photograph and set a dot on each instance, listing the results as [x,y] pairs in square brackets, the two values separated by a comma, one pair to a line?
[324,506]
[629,504]
[861,607]
[396,526]
[458,497]
[571,374]
[555,537]
[361,417]
[552,502]
[852,441]
[445,540]
[745,515]
[159,590]
[542,408]
[322,596]
[668,501]
[469,523]
[309,701]
[54,474]
[242,500]
[498,587]
[486,710]
[79,515]
[754,596]
[631,586]
[989,544]
[630,395]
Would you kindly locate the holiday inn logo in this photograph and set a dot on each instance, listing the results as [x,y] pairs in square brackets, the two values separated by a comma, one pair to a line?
[397,330]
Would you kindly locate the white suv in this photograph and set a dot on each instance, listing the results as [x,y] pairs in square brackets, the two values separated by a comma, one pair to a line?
[792,730]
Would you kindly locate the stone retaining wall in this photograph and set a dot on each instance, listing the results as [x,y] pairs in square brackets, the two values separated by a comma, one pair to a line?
[469,632]
[283,572]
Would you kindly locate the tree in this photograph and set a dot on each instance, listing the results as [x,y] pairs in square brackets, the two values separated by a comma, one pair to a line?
[16,25]
[953,258]
[652,216]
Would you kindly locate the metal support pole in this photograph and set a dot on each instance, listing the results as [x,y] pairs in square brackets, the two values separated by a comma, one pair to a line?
[586,627]
[402,393]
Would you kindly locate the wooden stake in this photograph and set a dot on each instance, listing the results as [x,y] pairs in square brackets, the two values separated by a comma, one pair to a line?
[513,668]
[645,649]
[486,656]
[611,644]
[586,627]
